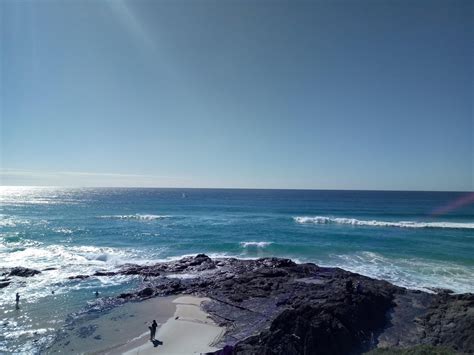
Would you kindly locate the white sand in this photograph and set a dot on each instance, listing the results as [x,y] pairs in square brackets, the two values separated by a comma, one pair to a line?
[117,329]
[193,332]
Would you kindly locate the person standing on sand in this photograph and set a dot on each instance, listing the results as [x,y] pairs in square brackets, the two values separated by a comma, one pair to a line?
[153,327]
[17,301]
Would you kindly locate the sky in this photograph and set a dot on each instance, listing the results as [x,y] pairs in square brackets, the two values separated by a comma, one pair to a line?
[355,94]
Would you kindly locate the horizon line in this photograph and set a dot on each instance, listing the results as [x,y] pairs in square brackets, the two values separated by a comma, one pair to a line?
[229,188]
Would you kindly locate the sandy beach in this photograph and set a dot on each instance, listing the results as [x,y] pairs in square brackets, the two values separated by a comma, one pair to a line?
[183,328]
[189,331]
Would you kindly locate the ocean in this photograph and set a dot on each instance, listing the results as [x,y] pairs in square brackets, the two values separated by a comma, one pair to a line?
[419,240]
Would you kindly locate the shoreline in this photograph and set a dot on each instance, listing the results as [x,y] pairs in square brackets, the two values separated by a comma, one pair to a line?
[270,303]
[189,331]
[104,331]
[183,328]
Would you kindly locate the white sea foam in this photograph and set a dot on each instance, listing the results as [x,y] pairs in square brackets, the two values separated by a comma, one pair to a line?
[11,221]
[375,223]
[410,272]
[179,257]
[62,230]
[142,217]
[255,244]
[62,261]
[25,333]
[183,276]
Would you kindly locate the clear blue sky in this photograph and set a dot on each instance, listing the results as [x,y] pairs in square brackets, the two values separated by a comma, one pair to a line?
[349,94]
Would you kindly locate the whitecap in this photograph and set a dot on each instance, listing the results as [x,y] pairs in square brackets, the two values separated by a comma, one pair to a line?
[255,244]
[11,221]
[142,217]
[413,273]
[63,230]
[14,334]
[65,261]
[375,223]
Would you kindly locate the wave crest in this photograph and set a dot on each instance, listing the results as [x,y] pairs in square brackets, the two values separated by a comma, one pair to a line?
[11,221]
[255,244]
[412,273]
[375,223]
[142,217]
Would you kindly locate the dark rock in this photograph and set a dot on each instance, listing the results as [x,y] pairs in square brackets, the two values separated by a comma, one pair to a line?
[140,270]
[78,277]
[334,327]
[50,268]
[277,262]
[450,322]
[275,306]
[86,331]
[440,290]
[146,292]
[4,284]
[202,256]
[23,272]
[104,273]
[272,272]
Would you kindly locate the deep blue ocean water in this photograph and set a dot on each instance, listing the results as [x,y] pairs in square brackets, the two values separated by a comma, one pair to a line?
[413,239]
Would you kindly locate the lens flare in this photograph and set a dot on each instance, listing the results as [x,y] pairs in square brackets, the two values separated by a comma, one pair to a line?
[462,201]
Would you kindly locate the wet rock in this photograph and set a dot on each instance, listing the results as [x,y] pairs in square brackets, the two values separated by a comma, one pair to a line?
[140,270]
[440,290]
[105,273]
[23,272]
[277,262]
[4,284]
[275,306]
[146,292]
[78,277]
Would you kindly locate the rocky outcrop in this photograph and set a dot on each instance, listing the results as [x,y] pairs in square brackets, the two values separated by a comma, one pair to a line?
[200,262]
[23,272]
[275,306]
[4,283]
[450,322]
[104,273]
[78,277]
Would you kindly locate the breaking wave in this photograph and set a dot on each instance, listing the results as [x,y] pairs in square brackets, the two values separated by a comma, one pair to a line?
[11,221]
[141,217]
[412,273]
[255,244]
[375,223]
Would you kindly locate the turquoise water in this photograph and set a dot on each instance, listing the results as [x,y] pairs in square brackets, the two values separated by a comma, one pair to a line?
[413,239]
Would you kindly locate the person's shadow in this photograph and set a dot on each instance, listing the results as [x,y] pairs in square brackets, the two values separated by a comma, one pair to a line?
[156,343]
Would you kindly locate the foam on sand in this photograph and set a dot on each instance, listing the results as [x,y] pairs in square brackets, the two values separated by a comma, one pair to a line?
[189,331]
[375,223]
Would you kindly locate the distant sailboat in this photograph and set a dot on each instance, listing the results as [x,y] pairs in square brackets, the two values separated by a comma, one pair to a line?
[183,195]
